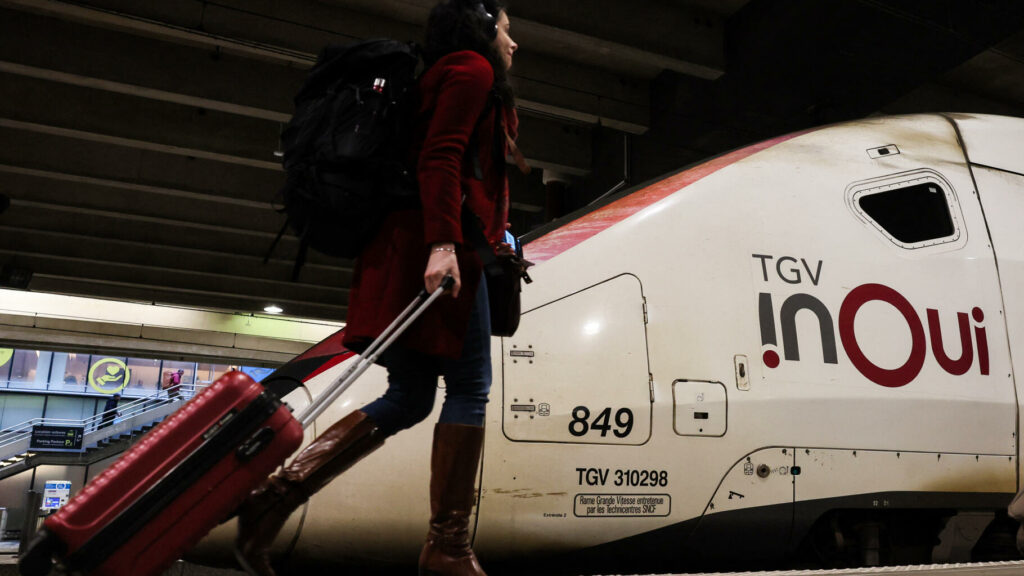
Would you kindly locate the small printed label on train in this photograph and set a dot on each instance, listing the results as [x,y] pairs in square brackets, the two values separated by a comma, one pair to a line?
[621,505]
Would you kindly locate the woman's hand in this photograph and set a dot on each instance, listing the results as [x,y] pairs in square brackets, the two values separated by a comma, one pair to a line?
[442,262]
[504,248]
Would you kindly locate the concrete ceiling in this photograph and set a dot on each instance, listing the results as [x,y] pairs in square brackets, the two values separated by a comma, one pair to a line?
[137,138]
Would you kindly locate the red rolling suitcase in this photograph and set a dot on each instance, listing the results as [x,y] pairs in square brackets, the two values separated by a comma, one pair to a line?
[193,470]
[173,486]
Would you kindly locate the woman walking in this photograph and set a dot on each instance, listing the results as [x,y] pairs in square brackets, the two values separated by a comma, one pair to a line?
[464,125]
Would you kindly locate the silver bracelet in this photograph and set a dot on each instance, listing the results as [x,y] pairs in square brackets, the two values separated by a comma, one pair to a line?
[444,249]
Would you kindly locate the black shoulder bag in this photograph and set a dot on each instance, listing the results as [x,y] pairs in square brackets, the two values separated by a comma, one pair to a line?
[504,274]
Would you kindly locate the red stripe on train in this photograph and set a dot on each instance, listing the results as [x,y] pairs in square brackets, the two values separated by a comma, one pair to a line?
[334,361]
[557,241]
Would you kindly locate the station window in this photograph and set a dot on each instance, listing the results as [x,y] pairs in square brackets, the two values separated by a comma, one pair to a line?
[209,373]
[912,214]
[189,370]
[144,374]
[107,375]
[77,368]
[69,372]
[6,354]
[30,368]
[188,374]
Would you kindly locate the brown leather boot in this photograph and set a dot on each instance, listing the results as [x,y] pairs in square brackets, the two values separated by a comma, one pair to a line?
[268,507]
[453,469]
[260,518]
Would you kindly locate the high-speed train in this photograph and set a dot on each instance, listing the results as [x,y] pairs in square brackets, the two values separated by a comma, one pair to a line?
[800,353]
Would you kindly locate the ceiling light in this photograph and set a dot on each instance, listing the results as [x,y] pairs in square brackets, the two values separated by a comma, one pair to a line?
[273,309]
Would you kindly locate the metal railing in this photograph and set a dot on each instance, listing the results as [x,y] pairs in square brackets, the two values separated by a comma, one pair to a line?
[123,419]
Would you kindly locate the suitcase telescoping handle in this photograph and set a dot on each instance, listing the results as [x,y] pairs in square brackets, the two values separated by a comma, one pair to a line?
[373,351]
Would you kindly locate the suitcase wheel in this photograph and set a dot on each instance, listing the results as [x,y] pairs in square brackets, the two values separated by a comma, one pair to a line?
[38,559]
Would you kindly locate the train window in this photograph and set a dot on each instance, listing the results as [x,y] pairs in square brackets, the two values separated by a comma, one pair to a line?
[912,210]
[912,214]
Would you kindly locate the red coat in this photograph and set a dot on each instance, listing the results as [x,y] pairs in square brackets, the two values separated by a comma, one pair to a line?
[454,93]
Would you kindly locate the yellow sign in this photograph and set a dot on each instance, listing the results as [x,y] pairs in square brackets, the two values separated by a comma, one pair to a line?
[5,355]
[114,376]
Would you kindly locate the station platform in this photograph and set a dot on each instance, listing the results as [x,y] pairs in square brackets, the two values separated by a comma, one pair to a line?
[1015,568]
[8,567]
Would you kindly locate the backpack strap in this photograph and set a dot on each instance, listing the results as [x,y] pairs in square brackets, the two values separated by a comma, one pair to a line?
[473,230]
[300,259]
[287,221]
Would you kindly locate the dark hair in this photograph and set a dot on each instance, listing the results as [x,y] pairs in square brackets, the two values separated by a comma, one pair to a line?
[457,25]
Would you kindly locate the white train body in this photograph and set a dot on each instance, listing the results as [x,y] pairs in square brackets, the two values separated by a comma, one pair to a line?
[710,364]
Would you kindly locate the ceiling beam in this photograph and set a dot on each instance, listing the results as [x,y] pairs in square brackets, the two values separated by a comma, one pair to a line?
[163,296]
[554,145]
[136,143]
[175,127]
[142,92]
[120,62]
[85,323]
[557,94]
[133,188]
[89,158]
[144,26]
[123,225]
[619,57]
[167,206]
[180,276]
[595,36]
[147,253]
[156,343]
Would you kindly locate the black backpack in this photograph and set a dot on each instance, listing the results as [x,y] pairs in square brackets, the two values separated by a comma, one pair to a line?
[345,147]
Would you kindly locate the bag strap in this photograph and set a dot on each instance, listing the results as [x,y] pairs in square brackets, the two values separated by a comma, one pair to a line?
[277,239]
[300,258]
[473,230]
[517,155]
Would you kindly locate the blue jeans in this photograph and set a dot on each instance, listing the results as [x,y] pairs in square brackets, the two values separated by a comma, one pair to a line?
[412,379]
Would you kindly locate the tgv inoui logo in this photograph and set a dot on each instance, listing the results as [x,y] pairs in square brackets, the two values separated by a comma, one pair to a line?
[790,271]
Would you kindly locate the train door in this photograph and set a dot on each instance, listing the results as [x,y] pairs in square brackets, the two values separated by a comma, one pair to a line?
[575,411]
[576,371]
[1002,194]
[992,145]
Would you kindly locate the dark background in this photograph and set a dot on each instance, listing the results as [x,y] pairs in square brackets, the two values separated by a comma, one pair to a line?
[137,138]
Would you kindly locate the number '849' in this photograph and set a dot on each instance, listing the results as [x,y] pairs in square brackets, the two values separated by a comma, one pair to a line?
[603,423]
